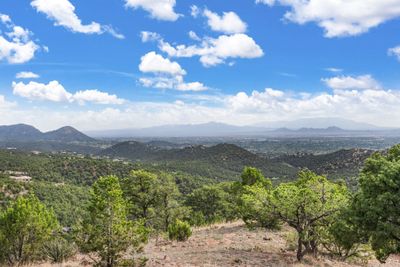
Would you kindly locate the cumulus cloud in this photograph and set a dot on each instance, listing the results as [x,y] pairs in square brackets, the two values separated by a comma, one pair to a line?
[340,18]
[16,45]
[228,22]
[362,82]
[152,62]
[147,36]
[373,106]
[55,92]
[158,9]
[194,36]
[395,51]
[26,75]
[242,108]
[96,96]
[62,12]
[167,74]
[214,51]
[172,82]
[194,11]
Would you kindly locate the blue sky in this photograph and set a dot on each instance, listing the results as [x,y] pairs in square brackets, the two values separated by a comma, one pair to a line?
[270,60]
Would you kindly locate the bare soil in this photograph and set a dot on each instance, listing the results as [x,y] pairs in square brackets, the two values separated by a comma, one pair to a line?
[232,244]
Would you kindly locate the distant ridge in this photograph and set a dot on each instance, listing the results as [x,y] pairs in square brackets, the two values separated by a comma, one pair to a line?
[303,128]
[28,133]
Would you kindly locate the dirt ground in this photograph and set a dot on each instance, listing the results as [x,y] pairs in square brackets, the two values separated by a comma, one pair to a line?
[230,244]
[233,245]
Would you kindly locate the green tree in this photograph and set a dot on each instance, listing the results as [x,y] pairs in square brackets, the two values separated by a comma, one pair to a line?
[141,188]
[306,205]
[256,207]
[25,226]
[342,238]
[107,231]
[252,176]
[213,202]
[376,205]
[167,206]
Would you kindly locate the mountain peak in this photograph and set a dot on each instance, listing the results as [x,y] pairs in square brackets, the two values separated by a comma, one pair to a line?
[27,133]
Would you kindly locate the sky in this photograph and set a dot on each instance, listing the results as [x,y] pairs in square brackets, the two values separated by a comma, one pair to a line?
[113,64]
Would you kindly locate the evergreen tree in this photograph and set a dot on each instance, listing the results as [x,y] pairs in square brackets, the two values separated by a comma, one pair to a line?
[376,206]
[25,226]
[106,231]
[306,205]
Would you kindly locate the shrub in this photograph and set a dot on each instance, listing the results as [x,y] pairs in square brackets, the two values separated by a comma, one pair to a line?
[179,231]
[25,226]
[59,250]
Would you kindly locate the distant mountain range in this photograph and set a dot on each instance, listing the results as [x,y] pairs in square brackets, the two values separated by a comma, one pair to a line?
[28,133]
[321,123]
[299,128]
[210,129]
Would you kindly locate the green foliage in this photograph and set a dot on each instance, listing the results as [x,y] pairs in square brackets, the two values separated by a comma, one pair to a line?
[342,237]
[62,168]
[167,208]
[59,249]
[306,205]
[376,205]
[25,226]
[256,208]
[140,189]
[213,202]
[67,201]
[179,231]
[106,231]
[251,176]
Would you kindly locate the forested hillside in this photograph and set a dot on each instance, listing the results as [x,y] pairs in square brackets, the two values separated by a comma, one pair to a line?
[154,191]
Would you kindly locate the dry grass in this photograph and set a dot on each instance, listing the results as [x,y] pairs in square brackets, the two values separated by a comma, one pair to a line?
[229,244]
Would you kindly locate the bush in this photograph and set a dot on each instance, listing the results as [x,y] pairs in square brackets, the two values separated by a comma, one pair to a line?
[25,226]
[179,231]
[59,250]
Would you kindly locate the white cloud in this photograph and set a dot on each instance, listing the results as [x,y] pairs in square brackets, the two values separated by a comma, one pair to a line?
[395,51]
[4,104]
[334,70]
[26,75]
[175,83]
[168,74]
[340,17]
[147,36]
[63,14]
[228,23]
[55,92]
[194,11]
[158,9]
[16,45]
[363,82]
[155,63]
[193,86]
[214,51]
[194,36]
[243,108]
[5,18]
[96,96]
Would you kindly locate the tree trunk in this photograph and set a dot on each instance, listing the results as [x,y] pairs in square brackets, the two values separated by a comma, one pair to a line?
[300,246]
